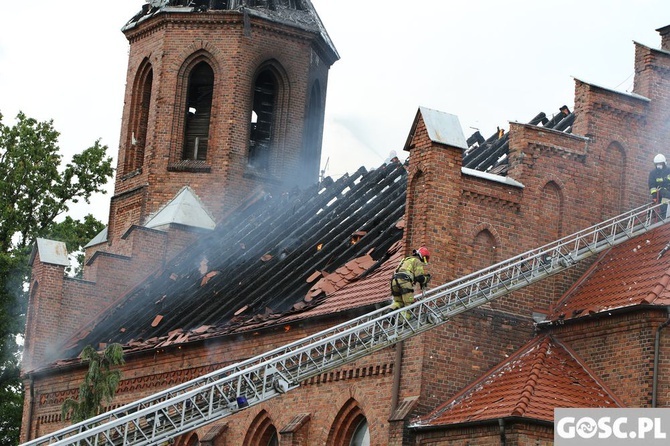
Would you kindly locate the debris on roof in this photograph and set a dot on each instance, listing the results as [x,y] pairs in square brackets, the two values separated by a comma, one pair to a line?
[274,258]
[491,155]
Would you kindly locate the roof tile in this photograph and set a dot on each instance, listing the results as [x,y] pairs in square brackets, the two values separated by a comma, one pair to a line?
[538,378]
[627,275]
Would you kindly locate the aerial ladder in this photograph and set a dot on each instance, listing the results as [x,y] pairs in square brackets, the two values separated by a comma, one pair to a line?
[196,403]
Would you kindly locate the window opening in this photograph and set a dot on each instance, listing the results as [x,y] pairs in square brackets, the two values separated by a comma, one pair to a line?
[361,436]
[262,117]
[134,158]
[311,153]
[198,112]
[274,441]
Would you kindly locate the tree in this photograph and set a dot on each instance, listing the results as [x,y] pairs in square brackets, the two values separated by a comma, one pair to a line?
[100,383]
[35,192]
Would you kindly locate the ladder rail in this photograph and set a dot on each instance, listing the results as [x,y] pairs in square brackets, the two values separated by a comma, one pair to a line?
[270,374]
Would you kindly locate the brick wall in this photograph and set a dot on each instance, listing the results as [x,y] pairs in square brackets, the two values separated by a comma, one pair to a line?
[168,43]
[620,351]
[365,384]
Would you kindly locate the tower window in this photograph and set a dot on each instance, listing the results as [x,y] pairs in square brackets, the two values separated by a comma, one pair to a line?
[198,112]
[262,119]
[141,105]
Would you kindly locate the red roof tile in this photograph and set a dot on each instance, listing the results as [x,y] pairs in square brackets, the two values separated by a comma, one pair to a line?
[627,275]
[538,378]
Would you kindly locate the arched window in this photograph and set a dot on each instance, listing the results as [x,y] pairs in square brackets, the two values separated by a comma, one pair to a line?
[417,209]
[312,139]
[262,120]
[262,432]
[361,436]
[484,250]
[198,112]
[551,212]
[614,181]
[141,105]
[350,427]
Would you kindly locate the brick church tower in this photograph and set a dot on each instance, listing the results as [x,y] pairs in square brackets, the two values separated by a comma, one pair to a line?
[225,96]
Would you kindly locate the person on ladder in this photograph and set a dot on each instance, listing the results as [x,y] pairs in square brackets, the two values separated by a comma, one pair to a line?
[409,272]
[659,182]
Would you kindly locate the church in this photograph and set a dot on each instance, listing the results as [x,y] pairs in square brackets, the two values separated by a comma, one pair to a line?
[223,243]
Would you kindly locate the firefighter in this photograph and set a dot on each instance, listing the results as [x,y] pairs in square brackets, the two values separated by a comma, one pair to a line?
[408,273]
[659,182]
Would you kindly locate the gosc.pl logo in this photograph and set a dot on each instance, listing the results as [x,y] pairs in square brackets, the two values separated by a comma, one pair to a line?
[610,426]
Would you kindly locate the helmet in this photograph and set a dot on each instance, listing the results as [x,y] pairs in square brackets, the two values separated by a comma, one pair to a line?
[423,254]
[658,159]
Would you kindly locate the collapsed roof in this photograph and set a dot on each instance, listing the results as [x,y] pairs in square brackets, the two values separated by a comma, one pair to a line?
[267,259]
[491,155]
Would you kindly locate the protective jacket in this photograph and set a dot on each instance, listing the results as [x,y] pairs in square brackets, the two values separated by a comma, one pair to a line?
[409,271]
[659,181]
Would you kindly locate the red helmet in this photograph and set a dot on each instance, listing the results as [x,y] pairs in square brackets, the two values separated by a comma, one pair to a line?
[423,254]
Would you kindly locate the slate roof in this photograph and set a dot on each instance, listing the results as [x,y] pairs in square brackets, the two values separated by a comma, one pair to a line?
[540,377]
[630,274]
[276,257]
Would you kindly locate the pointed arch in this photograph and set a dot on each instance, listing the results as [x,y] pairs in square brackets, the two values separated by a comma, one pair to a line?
[483,250]
[262,431]
[268,110]
[136,139]
[416,209]
[614,181]
[197,118]
[193,108]
[190,439]
[311,150]
[551,212]
[350,427]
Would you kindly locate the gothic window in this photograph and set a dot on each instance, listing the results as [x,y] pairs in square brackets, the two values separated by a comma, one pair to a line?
[350,427]
[312,140]
[614,181]
[262,120]
[484,250]
[551,212]
[361,435]
[198,112]
[262,432]
[141,104]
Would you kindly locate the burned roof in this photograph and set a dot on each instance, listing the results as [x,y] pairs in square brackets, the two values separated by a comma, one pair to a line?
[298,13]
[263,261]
[491,155]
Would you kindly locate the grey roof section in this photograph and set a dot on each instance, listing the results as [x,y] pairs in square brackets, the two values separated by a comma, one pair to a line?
[100,238]
[443,128]
[300,14]
[625,93]
[185,209]
[51,251]
[492,177]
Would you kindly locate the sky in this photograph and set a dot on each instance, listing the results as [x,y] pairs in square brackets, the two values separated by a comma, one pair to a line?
[488,62]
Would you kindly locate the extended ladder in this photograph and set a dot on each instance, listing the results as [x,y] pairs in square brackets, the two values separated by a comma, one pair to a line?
[196,403]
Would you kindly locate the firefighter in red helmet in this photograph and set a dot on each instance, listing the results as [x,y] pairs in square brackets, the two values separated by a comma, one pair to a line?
[409,272]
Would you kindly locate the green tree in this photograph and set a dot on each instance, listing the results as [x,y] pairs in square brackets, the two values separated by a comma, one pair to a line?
[100,383]
[76,234]
[36,191]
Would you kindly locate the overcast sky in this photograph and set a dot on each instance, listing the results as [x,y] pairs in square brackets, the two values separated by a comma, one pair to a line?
[487,61]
